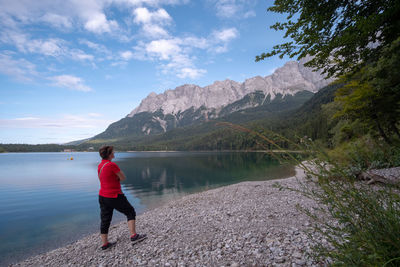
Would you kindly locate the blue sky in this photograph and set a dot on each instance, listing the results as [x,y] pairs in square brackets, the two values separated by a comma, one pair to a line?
[69,68]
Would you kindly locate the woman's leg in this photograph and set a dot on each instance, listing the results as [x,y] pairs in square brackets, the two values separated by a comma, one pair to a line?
[106,213]
[132,227]
[126,208]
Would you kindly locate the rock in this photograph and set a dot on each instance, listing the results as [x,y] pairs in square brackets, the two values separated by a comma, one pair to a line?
[280,259]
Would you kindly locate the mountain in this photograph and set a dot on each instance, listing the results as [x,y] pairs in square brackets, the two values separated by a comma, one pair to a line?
[289,79]
[287,88]
[307,118]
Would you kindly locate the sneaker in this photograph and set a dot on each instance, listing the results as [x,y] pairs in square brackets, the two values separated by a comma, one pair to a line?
[108,245]
[137,238]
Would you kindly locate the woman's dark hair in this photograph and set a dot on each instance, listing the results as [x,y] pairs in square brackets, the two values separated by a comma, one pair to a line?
[105,151]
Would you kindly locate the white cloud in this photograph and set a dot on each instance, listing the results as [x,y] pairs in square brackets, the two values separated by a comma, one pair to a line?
[26,119]
[78,54]
[228,9]
[143,16]
[191,73]
[50,47]
[98,23]
[20,69]
[102,51]
[66,121]
[196,42]
[70,82]
[90,15]
[164,49]
[176,54]
[118,64]
[152,22]
[126,55]
[57,20]
[154,31]
[226,35]
[249,14]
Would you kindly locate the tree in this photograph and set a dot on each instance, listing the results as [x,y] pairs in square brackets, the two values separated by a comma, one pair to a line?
[372,95]
[341,35]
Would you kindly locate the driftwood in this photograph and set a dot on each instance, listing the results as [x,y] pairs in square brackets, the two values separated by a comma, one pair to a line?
[386,176]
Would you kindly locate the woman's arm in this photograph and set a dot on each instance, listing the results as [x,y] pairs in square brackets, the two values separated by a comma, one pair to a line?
[121,176]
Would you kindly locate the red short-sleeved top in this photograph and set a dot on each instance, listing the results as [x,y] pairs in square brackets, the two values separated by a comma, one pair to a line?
[110,185]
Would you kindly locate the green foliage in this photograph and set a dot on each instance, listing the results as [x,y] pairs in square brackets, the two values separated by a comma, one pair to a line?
[361,223]
[2,150]
[372,95]
[341,35]
[365,153]
[347,130]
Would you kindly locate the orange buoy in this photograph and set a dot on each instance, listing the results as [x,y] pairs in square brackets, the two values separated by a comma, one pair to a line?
[72,158]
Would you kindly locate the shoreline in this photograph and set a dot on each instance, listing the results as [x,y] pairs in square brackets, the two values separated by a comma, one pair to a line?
[249,223]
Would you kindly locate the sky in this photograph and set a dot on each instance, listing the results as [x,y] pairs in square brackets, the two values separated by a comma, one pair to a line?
[70,68]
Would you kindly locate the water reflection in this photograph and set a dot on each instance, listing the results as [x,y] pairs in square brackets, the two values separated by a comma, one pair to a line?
[156,178]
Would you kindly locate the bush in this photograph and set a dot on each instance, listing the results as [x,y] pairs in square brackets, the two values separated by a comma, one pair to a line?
[365,153]
[360,222]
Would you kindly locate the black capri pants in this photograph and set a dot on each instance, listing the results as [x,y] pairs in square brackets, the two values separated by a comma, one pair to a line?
[107,206]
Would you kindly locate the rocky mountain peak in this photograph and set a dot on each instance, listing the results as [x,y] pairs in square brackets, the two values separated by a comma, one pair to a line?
[289,79]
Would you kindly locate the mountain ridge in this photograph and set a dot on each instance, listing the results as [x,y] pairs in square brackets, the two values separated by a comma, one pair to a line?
[288,79]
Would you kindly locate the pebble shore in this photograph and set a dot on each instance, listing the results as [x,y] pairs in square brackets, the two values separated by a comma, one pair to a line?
[245,224]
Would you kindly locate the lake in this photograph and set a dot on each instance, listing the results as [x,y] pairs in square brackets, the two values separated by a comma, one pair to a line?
[48,200]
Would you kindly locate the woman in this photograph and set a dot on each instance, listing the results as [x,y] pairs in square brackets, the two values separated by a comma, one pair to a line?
[111,197]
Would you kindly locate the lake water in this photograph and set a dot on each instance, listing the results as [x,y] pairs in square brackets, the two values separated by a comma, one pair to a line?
[48,200]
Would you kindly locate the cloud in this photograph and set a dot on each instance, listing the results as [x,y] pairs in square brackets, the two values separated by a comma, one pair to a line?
[126,55]
[70,82]
[249,14]
[58,21]
[96,47]
[98,23]
[91,15]
[143,16]
[154,31]
[66,121]
[191,73]
[51,47]
[20,69]
[26,119]
[152,22]
[77,54]
[176,54]
[226,35]
[164,49]
[228,9]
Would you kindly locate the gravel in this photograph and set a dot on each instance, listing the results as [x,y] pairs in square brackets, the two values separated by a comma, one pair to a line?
[246,224]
